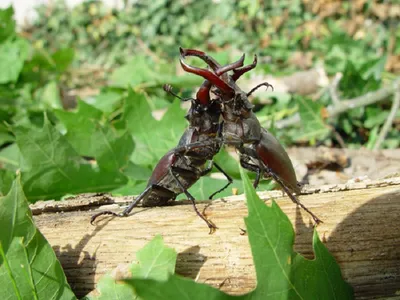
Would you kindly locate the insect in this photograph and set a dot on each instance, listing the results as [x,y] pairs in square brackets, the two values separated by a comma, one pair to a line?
[182,166]
[259,150]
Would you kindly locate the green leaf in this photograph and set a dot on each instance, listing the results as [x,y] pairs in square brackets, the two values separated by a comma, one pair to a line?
[6,179]
[52,168]
[227,163]
[7,23]
[154,261]
[12,58]
[63,58]
[112,150]
[51,95]
[137,172]
[9,157]
[135,72]
[81,126]
[207,185]
[281,272]
[110,147]
[374,68]
[107,100]
[5,137]
[29,268]
[177,288]
[311,119]
[152,138]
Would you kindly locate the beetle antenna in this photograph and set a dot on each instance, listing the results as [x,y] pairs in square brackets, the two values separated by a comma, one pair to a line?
[168,89]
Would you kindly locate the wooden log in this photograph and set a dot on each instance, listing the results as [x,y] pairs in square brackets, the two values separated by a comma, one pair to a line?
[361,229]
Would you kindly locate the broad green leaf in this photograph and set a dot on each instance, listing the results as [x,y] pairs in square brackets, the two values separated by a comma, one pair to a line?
[12,57]
[207,185]
[154,261]
[313,126]
[63,58]
[227,163]
[110,147]
[29,268]
[112,150]
[374,117]
[5,138]
[281,272]
[135,72]
[374,68]
[177,288]
[136,172]
[52,168]
[81,126]
[152,138]
[51,95]
[9,157]
[359,80]
[7,23]
[6,179]
[107,100]
[109,288]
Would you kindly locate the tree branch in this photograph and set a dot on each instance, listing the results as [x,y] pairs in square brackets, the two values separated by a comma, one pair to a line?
[345,105]
[395,106]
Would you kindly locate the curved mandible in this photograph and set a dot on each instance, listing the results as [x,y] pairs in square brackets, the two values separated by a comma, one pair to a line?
[211,62]
[203,94]
[207,74]
[240,71]
[229,67]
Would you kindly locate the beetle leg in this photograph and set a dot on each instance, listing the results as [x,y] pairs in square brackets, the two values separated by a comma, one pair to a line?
[126,210]
[183,150]
[226,185]
[210,225]
[254,168]
[207,74]
[258,86]
[239,72]
[293,197]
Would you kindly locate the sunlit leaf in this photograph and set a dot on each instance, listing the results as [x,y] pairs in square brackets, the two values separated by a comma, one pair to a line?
[52,168]
[29,268]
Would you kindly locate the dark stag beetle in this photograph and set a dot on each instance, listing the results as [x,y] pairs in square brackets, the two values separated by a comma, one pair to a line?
[182,166]
[259,150]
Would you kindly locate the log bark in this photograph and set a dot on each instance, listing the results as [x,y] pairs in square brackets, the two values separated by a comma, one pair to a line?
[361,229]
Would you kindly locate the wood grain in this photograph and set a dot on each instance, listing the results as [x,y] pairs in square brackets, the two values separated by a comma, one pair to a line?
[361,229]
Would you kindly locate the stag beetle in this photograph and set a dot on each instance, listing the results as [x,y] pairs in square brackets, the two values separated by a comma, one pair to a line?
[259,150]
[182,166]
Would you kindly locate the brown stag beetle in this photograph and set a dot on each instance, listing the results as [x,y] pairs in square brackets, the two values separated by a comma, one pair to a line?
[259,150]
[182,166]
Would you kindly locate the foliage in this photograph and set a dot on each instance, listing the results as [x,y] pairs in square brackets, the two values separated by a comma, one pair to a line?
[111,141]
[29,268]
[356,40]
